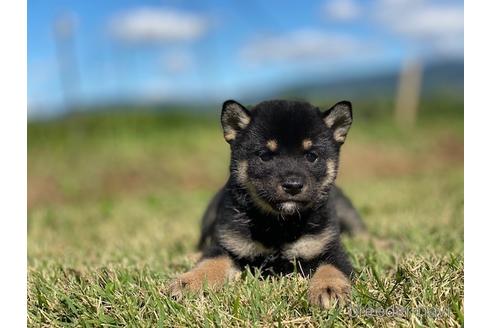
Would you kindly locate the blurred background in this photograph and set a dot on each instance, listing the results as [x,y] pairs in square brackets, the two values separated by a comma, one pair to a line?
[86,56]
[124,100]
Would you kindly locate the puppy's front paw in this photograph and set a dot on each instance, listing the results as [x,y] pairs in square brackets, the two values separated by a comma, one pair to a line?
[328,294]
[328,287]
[189,281]
[211,272]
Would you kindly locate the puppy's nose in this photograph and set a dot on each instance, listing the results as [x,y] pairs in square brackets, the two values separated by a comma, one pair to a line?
[292,186]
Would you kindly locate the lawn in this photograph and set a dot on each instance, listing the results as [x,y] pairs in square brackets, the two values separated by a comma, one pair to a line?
[114,204]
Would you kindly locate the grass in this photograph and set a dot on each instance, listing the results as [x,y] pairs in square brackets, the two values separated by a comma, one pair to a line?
[115,200]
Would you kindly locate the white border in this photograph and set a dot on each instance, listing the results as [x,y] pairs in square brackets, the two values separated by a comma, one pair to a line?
[13,171]
[478,163]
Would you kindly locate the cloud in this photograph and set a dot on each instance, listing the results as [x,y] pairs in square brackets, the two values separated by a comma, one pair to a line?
[439,25]
[151,25]
[342,10]
[435,25]
[299,45]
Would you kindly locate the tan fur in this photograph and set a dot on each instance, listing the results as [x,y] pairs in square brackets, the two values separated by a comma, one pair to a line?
[272,145]
[242,178]
[327,286]
[262,205]
[329,121]
[340,134]
[309,246]
[307,144]
[242,172]
[244,121]
[212,272]
[242,246]
[234,114]
[331,173]
[229,135]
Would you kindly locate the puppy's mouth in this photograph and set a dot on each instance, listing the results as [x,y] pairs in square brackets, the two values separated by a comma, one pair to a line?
[290,207]
[280,205]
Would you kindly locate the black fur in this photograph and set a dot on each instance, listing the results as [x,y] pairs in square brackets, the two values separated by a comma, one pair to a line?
[255,204]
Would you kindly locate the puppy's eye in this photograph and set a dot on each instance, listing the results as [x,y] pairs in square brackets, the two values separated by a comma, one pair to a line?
[265,156]
[312,157]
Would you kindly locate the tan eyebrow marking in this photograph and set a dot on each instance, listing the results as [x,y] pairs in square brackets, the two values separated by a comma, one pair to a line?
[272,145]
[307,144]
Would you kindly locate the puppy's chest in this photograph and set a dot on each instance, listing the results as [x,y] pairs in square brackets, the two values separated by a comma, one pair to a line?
[259,249]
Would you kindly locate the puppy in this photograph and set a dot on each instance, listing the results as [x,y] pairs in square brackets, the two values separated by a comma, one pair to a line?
[279,210]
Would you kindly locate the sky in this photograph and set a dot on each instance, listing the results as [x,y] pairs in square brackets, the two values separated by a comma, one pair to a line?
[92,52]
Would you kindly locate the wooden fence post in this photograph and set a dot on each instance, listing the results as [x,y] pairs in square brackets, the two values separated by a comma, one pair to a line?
[408,94]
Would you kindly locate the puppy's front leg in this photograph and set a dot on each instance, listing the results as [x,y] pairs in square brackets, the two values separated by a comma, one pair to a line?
[327,285]
[214,272]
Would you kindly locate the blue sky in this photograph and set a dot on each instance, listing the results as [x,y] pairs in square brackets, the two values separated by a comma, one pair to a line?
[212,50]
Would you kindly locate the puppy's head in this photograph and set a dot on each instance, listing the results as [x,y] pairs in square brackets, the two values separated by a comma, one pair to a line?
[285,153]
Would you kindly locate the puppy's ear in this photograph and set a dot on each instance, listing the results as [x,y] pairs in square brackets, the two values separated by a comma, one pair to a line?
[339,119]
[235,117]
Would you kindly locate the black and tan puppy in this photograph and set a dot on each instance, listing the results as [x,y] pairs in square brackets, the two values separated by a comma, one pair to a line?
[280,207]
